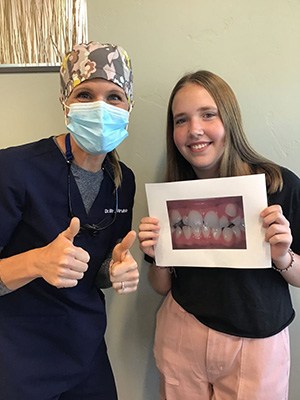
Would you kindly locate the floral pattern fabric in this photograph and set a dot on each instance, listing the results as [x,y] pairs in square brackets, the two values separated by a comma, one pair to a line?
[96,60]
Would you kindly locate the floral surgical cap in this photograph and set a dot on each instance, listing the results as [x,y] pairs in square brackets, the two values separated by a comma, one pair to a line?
[95,60]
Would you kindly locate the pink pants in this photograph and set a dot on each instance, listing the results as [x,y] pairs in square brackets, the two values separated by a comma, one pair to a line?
[199,363]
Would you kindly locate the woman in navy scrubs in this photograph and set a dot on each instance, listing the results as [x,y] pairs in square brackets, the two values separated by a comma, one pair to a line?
[66,212]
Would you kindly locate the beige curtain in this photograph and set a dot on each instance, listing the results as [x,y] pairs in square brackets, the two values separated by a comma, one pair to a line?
[40,31]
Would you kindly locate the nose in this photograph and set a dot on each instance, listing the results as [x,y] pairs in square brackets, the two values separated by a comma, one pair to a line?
[195,127]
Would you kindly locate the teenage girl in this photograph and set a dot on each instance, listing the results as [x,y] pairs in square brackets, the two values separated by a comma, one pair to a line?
[222,333]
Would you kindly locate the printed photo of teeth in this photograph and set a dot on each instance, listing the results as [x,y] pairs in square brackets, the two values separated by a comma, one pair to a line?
[214,223]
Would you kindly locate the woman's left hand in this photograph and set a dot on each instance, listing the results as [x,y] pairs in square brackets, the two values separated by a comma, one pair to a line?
[278,232]
[123,270]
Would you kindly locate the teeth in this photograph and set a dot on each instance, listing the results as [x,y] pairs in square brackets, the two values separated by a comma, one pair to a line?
[195,219]
[206,232]
[231,210]
[210,226]
[237,221]
[199,146]
[178,232]
[211,219]
[236,230]
[185,220]
[196,231]
[216,232]
[242,225]
[175,217]
[227,234]
[223,221]
[187,231]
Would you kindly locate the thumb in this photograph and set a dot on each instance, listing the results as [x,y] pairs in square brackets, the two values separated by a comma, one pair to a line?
[121,249]
[72,229]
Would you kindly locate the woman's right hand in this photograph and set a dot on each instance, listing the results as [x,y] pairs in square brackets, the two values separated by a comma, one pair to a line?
[61,263]
[148,234]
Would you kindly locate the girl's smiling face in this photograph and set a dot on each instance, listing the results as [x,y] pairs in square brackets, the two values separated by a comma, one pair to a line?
[199,134]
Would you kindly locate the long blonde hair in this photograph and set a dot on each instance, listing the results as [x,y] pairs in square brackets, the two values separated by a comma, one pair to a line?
[239,158]
[114,158]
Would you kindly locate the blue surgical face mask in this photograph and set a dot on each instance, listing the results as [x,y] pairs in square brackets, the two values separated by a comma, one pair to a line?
[97,127]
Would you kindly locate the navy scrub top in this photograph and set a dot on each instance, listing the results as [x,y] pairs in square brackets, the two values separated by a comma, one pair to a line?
[47,333]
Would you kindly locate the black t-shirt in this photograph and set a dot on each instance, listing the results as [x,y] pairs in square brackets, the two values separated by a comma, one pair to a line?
[252,303]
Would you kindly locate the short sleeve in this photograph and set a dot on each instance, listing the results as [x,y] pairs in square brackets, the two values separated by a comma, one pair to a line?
[12,196]
[289,199]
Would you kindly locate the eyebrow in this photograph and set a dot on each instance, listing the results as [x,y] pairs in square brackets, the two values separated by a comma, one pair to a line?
[88,88]
[117,90]
[81,88]
[202,109]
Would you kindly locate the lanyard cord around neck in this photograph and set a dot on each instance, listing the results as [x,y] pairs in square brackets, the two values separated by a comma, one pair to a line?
[69,154]
[92,228]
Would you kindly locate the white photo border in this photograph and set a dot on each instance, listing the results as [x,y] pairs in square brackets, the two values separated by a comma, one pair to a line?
[253,190]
